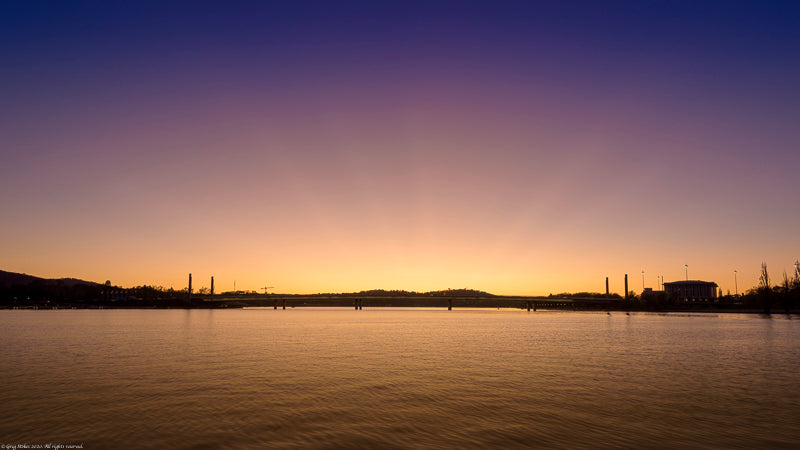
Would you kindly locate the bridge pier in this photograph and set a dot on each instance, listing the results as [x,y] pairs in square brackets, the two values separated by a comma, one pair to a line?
[284,304]
[449,304]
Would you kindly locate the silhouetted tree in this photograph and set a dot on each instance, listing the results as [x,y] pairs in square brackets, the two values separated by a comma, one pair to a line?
[655,300]
[785,293]
[764,289]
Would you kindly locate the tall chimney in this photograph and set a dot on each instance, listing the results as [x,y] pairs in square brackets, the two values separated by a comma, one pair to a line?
[606,287]
[212,285]
[626,286]
[190,284]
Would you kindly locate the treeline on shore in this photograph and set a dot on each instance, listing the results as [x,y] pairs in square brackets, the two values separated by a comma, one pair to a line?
[783,296]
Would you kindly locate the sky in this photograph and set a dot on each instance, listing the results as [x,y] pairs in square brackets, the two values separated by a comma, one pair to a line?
[520,148]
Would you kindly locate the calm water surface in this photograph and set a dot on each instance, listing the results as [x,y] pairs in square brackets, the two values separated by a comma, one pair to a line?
[377,378]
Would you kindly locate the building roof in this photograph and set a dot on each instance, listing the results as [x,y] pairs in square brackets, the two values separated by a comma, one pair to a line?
[690,282]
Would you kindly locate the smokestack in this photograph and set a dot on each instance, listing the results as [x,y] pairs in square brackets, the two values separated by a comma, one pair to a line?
[212,285]
[626,286]
[190,284]
[606,287]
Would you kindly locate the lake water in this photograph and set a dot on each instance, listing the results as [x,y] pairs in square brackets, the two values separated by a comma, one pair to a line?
[416,378]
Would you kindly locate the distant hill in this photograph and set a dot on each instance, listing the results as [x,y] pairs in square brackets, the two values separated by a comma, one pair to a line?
[444,293]
[459,293]
[22,279]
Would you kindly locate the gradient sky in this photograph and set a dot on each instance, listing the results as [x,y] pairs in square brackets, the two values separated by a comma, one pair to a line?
[334,146]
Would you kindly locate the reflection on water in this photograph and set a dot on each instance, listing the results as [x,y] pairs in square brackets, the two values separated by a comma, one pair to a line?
[397,379]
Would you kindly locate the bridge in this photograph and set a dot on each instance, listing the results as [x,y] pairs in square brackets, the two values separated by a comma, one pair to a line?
[359,302]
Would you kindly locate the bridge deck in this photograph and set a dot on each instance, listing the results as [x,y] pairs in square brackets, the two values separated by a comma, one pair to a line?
[408,301]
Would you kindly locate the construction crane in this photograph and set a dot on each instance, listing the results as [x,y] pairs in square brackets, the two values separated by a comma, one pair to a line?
[267,287]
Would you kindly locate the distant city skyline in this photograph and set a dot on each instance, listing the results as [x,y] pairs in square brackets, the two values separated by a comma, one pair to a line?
[340,146]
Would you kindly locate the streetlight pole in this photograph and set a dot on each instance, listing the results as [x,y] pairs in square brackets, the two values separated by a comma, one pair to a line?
[735,282]
[686,266]
[642,279]
[796,281]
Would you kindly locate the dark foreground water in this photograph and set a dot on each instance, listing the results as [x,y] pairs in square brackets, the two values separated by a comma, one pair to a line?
[328,378]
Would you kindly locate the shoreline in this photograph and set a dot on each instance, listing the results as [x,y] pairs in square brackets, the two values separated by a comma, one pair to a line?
[530,305]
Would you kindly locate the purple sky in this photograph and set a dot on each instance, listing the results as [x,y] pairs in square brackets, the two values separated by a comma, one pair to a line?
[323,147]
